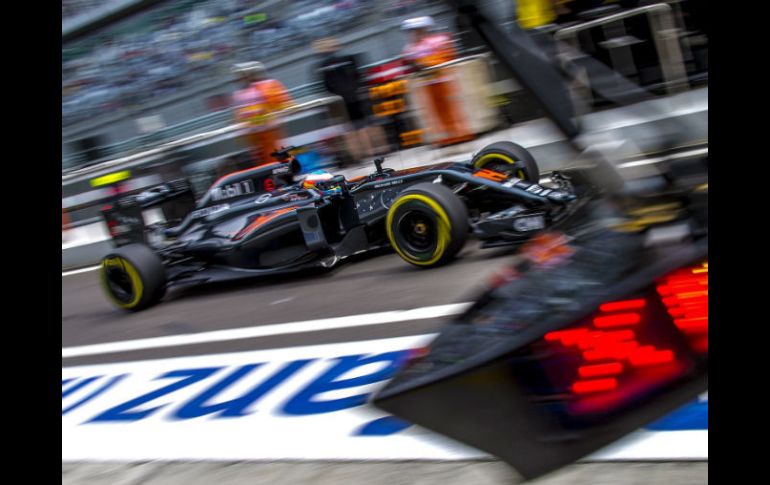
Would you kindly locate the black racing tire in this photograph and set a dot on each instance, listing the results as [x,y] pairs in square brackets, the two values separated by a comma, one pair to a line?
[427,225]
[133,277]
[510,158]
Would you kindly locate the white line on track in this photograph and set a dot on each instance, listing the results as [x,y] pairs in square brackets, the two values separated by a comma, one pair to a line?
[268,330]
[82,270]
[282,300]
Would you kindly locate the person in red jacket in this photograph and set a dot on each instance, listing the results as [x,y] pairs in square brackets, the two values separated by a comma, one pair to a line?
[255,104]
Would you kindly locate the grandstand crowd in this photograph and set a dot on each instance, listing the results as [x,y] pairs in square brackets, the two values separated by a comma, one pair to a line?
[185,42]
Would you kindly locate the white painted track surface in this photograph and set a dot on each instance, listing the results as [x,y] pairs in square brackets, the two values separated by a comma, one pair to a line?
[294,403]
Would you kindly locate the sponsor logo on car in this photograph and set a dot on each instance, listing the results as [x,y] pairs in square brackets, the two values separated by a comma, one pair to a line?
[236,189]
[389,183]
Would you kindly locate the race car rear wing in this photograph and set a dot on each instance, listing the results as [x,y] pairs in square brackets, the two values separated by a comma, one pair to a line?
[125,219]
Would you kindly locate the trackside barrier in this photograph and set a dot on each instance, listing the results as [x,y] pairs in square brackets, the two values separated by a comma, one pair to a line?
[231,128]
[665,36]
[211,121]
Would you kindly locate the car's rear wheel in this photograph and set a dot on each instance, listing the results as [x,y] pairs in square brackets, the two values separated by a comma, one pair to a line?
[133,277]
[509,158]
[427,225]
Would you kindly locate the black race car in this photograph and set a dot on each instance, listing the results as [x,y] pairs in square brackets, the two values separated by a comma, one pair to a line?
[264,221]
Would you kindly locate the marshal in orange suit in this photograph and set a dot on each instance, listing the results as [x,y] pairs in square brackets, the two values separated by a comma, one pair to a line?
[255,103]
[425,50]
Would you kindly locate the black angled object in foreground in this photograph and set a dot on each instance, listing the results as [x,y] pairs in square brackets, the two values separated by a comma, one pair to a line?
[585,339]
[591,333]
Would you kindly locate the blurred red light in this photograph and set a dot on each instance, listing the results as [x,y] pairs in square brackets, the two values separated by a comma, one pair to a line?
[692,324]
[598,370]
[594,385]
[617,320]
[603,338]
[649,356]
[625,349]
[617,351]
[567,337]
[623,305]
[670,301]
[685,294]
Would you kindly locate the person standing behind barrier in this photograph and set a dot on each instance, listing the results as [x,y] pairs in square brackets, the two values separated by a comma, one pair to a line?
[427,50]
[255,104]
[340,75]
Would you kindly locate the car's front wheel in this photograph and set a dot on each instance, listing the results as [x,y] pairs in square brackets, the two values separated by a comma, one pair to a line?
[427,225]
[509,158]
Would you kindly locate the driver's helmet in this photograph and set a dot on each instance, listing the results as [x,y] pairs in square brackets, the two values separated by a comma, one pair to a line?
[313,178]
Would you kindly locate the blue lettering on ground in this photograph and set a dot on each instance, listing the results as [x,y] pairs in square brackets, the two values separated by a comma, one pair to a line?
[382,427]
[693,416]
[95,393]
[303,402]
[235,408]
[122,412]
[79,385]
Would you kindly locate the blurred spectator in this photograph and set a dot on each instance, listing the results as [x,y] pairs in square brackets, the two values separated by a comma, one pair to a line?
[340,75]
[425,51]
[181,43]
[256,104]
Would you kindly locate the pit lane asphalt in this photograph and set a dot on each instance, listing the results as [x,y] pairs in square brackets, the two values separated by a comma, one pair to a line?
[367,284]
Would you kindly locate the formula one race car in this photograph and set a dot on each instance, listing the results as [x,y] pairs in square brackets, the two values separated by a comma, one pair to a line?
[264,221]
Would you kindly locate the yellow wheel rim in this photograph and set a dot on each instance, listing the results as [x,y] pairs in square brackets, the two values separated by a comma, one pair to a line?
[444,228]
[133,275]
[489,157]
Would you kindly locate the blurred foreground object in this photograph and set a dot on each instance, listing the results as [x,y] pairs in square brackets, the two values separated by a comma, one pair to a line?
[260,98]
[591,334]
[427,50]
[596,329]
